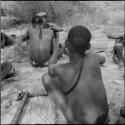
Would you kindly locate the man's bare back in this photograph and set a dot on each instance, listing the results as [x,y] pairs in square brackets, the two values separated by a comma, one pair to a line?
[41,41]
[88,99]
[40,49]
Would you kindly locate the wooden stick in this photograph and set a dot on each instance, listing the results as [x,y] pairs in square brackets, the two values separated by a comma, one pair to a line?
[18,113]
[115,36]
[100,51]
[39,93]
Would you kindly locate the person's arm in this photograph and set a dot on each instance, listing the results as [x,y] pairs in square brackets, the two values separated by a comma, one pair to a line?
[56,29]
[56,36]
[49,80]
[51,84]
[54,56]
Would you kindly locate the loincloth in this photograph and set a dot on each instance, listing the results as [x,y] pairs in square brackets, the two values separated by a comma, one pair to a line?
[37,64]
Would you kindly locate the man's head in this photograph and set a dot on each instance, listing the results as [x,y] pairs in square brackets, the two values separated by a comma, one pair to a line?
[78,39]
[43,16]
[36,20]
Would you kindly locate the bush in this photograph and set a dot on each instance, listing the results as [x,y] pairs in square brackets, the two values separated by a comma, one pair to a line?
[66,12]
[118,18]
[58,11]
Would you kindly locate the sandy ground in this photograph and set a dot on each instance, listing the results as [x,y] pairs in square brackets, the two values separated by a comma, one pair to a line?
[42,109]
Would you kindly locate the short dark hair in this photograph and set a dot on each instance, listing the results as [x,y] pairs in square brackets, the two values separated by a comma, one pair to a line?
[36,20]
[79,37]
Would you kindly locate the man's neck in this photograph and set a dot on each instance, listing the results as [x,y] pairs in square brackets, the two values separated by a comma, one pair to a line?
[39,26]
[74,58]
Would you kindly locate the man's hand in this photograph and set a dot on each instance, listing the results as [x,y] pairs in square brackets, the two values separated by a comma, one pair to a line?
[54,56]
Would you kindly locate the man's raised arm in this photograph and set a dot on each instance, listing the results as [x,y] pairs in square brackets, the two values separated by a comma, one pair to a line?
[53,59]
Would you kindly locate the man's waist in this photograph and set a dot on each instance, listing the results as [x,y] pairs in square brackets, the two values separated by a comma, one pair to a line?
[37,62]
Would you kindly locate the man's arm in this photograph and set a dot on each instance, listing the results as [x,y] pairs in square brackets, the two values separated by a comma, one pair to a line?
[49,79]
[54,56]
[51,83]
[56,36]
[56,29]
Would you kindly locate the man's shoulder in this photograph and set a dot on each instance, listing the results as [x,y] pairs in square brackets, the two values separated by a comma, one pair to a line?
[98,57]
[45,30]
[94,58]
[54,27]
[48,31]
[55,69]
[91,54]
[29,29]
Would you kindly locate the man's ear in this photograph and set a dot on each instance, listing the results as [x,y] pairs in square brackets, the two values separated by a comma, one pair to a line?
[89,46]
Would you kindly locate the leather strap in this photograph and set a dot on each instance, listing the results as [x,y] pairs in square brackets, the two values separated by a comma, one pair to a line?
[40,34]
[77,80]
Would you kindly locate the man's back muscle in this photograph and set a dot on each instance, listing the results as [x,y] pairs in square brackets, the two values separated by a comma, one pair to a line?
[40,48]
[85,97]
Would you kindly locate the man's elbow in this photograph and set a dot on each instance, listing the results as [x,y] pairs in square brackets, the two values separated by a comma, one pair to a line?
[46,82]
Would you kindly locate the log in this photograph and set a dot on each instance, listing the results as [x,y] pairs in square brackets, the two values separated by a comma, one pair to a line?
[18,113]
[115,36]
[27,95]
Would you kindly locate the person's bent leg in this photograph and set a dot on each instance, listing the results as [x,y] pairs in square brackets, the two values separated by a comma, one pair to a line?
[118,49]
[57,97]
[115,59]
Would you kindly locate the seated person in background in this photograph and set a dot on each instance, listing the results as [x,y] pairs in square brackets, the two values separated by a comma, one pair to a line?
[42,45]
[118,56]
[56,29]
[122,111]
[121,117]
[77,87]
[7,40]
[6,68]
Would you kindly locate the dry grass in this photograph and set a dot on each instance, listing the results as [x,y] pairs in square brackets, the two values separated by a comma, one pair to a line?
[69,12]
[118,18]
[21,53]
